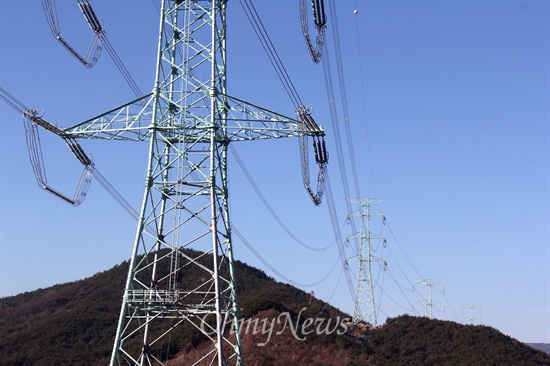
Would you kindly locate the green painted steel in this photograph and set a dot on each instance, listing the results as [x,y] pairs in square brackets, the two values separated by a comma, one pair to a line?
[428,301]
[182,268]
[364,309]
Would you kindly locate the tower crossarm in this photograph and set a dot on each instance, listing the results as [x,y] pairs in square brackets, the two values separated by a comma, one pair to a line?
[357,258]
[130,121]
[428,302]
[182,272]
[245,121]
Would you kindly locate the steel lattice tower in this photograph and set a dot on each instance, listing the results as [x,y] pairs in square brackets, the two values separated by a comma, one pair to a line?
[428,301]
[181,273]
[471,316]
[364,305]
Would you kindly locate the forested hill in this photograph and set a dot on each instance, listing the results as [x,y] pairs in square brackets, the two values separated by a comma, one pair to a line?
[544,347]
[74,324]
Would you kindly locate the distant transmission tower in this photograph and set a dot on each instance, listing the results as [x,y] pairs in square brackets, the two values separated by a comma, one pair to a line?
[181,274]
[428,302]
[364,305]
[471,315]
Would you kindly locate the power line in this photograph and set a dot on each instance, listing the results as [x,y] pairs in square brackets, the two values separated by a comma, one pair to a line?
[274,270]
[400,287]
[121,67]
[12,101]
[402,251]
[294,96]
[363,99]
[343,95]
[336,228]
[448,303]
[308,124]
[99,40]
[329,87]
[96,45]
[320,20]
[270,51]
[268,206]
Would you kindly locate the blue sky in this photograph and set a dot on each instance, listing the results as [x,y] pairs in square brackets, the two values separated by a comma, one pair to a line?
[449,109]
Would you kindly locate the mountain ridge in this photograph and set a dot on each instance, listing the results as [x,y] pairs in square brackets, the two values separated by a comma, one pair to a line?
[544,347]
[74,324]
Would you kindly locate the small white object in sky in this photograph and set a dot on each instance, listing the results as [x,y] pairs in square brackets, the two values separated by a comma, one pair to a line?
[355,11]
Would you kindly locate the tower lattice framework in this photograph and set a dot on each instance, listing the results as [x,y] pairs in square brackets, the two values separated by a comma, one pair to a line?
[181,274]
[364,304]
[428,301]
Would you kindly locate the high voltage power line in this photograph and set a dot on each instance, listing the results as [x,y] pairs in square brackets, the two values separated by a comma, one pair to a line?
[21,107]
[172,193]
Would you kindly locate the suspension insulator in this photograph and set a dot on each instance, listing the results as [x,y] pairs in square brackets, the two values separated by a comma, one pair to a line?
[315,152]
[31,121]
[320,20]
[96,45]
[89,15]
[32,115]
[324,152]
[304,115]
[319,15]
[319,156]
[78,152]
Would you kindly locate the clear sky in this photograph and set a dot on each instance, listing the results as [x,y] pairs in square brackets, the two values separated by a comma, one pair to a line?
[448,105]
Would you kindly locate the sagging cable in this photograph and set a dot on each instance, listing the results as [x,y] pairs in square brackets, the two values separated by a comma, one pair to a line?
[310,127]
[96,45]
[320,20]
[32,120]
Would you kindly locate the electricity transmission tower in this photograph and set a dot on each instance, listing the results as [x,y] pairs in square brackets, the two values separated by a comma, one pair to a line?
[181,274]
[471,317]
[364,305]
[428,302]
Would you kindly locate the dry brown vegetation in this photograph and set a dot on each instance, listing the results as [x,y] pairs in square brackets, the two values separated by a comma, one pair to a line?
[74,324]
